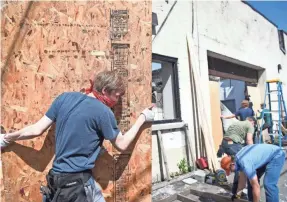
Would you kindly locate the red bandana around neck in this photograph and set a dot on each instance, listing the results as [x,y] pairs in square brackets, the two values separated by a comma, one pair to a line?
[107,101]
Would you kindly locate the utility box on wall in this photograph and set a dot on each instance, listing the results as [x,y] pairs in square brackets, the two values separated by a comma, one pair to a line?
[53,47]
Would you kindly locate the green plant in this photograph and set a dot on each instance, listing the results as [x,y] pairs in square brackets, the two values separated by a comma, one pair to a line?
[182,166]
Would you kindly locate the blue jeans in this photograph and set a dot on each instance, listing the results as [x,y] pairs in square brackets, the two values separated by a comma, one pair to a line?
[231,150]
[93,192]
[272,173]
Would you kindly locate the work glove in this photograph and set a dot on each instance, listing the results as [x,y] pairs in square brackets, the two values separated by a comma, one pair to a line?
[235,196]
[3,143]
[149,114]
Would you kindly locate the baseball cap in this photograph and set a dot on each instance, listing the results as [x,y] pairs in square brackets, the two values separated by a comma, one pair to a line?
[225,164]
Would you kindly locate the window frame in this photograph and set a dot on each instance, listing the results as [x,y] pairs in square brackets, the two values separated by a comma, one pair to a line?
[161,58]
[281,41]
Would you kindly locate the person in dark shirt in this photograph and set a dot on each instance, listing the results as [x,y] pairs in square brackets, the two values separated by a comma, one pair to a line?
[244,112]
[83,122]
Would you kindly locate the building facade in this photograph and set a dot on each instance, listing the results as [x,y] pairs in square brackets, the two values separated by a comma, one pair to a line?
[234,48]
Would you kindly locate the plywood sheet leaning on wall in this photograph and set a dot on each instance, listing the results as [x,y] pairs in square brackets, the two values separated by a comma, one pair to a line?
[256,98]
[52,47]
[216,123]
[204,124]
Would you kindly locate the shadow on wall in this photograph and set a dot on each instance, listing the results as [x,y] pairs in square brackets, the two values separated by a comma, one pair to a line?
[115,166]
[104,177]
[104,171]
[36,159]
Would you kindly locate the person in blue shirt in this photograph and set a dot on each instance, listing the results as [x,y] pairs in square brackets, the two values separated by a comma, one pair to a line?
[244,112]
[83,122]
[252,161]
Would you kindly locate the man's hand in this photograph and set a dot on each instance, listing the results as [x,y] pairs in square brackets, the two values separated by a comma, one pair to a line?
[148,113]
[122,142]
[4,143]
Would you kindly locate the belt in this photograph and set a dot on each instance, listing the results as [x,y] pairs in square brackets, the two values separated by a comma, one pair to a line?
[68,179]
[66,184]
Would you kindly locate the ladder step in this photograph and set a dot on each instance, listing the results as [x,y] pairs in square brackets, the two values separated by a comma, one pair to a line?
[274,134]
[273,81]
[274,101]
[272,111]
[284,121]
[273,92]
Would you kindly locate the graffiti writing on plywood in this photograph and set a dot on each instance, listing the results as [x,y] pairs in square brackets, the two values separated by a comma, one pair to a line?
[119,23]
[120,54]
[122,177]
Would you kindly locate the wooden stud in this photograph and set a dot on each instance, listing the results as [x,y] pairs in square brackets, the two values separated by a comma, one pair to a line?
[163,154]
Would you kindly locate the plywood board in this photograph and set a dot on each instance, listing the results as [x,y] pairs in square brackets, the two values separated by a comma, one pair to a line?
[52,47]
[216,123]
[256,97]
[204,124]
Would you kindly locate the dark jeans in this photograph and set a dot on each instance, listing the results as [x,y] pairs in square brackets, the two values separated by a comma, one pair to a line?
[231,150]
[76,187]
[272,173]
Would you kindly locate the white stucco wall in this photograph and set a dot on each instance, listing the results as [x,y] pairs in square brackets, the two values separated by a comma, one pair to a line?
[228,28]
[174,144]
[171,42]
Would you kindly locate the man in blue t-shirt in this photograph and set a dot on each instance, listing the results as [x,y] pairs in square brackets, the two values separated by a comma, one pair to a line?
[244,112]
[83,121]
[252,161]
